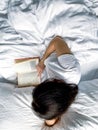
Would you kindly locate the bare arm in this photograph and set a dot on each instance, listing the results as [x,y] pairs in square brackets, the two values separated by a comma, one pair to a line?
[57,45]
[50,49]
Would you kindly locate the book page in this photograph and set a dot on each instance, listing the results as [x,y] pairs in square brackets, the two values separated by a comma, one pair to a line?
[26,66]
[28,79]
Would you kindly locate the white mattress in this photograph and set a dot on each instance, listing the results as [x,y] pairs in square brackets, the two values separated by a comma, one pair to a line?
[26,28]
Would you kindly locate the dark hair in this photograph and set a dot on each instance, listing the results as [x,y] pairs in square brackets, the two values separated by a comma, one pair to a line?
[52,98]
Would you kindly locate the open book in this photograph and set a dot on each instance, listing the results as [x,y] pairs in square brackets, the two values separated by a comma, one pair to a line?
[27,74]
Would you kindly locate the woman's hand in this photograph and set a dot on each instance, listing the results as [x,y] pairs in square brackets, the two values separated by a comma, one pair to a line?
[40,67]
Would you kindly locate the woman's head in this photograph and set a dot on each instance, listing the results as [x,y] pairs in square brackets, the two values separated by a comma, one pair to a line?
[52,98]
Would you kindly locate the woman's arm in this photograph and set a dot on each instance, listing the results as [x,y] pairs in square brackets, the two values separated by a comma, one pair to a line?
[50,49]
[57,45]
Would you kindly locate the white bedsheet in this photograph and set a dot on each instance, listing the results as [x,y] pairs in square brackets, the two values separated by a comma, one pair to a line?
[26,28]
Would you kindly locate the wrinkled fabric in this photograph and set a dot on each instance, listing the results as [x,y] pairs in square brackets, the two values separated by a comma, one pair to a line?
[26,28]
[64,67]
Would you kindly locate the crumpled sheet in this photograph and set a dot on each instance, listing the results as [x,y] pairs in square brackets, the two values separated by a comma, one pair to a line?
[26,28]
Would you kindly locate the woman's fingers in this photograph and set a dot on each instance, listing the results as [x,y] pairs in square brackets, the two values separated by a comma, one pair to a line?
[39,69]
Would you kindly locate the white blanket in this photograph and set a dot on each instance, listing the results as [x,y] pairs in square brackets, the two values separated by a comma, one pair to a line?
[26,28]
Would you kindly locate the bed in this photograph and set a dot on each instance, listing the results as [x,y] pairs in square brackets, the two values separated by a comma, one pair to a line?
[26,28]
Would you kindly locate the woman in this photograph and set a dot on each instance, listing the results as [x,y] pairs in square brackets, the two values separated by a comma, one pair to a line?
[53,97]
